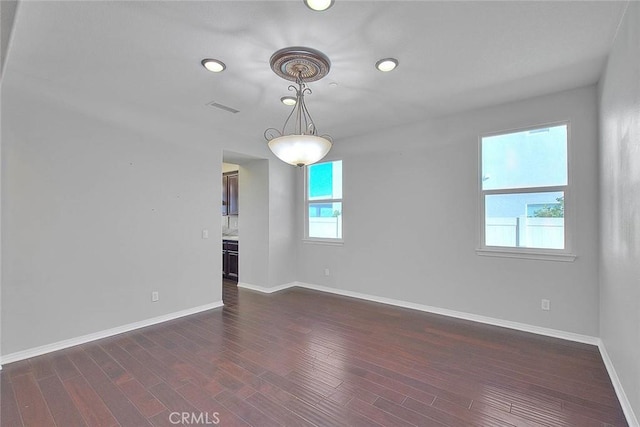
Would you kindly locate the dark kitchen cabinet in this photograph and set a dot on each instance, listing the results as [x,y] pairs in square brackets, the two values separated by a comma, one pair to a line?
[230,193]
[230,259]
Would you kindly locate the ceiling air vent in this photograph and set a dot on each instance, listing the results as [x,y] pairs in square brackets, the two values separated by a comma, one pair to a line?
[222,107]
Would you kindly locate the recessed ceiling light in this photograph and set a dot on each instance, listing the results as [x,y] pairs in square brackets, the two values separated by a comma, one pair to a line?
[333,84]
[213,65]
[318,5]
[288,100]
[387,64]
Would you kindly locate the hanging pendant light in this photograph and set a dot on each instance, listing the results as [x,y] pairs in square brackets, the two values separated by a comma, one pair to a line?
[298,142]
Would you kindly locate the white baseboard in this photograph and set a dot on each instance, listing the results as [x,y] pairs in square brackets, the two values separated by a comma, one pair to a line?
[266,290]
[587,339]
[632,420]
[37,351]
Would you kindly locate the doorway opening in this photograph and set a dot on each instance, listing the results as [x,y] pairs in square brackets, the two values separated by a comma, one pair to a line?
[230,239]
[245,223]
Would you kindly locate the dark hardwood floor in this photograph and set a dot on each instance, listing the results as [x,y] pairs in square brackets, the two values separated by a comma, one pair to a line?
[229,292]
[304,358]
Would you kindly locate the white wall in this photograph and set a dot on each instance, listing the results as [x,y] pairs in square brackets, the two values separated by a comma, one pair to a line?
[7,16]
[620,205]
[96,215]
[411,220]
[283,229]
[95,218]
[253,222]
[0,216]
[267,226]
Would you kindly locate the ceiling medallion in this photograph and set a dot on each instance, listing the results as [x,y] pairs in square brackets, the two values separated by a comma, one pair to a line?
[293,62]
[298,143]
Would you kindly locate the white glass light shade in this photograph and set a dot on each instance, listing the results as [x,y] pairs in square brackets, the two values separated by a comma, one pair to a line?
[318,5]
[300,150]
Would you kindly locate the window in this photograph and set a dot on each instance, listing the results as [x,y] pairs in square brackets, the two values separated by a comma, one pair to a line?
[323,198]
[524,185]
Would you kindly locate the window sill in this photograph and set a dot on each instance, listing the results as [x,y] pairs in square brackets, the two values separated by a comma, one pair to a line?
[327,242]
[536,255]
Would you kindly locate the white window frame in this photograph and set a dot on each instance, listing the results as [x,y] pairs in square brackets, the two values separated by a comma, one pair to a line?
[565,254]
[307,202]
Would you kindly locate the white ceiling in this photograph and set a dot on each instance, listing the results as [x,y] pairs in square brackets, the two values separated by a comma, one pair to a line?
[125,59]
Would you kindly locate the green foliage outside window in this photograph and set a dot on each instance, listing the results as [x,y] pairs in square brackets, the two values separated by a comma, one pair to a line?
[555,211]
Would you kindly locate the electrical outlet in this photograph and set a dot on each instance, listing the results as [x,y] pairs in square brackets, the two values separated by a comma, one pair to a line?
[205,234]
[155,296]
[545,305]
[326,272]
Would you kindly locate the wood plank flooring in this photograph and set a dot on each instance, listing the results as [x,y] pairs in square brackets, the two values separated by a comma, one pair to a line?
[304,358]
